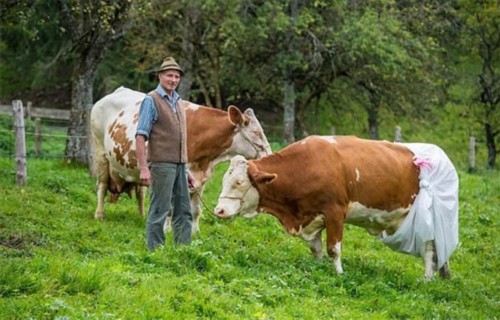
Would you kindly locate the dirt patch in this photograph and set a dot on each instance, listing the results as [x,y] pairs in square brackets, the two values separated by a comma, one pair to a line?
[17,241]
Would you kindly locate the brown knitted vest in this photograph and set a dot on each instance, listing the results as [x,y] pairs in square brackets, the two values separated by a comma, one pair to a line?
[167,140]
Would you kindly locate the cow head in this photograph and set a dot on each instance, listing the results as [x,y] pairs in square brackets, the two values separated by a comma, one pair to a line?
[239,193]
[250,140]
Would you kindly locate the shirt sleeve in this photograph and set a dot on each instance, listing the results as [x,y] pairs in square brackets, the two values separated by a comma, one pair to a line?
[147,117]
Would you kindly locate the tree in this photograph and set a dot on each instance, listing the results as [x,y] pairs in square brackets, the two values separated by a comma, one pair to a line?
[31,49]
[196,33]
[91,26]
[481,22]
[390,66]
[287,52]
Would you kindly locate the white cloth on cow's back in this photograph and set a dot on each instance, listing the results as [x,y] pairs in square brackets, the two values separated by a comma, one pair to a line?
[434,214]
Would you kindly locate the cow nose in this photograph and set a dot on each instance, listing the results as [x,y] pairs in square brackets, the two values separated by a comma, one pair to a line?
[219,212]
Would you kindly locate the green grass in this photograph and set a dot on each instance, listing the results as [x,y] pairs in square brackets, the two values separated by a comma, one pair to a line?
[58,262]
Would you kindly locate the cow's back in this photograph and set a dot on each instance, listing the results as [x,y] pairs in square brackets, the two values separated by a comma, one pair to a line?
[378,174]
[344,169]
[107,109]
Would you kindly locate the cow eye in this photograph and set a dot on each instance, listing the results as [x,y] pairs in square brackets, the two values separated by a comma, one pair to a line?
[258,134]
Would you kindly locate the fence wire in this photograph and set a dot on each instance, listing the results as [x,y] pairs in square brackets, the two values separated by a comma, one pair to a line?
[49,143]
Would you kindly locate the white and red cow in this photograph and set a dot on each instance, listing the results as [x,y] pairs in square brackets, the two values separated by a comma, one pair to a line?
[213,136]
[406,194]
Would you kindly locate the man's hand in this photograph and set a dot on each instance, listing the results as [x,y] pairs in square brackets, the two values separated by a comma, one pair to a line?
[145,176]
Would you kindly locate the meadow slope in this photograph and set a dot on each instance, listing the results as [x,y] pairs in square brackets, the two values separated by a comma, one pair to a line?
[59,263]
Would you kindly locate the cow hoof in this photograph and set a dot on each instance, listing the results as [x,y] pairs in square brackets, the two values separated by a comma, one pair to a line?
[99,216]
[195,228]
[444,272]
[428,277]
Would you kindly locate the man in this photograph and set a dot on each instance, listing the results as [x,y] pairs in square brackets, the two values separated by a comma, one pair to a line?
[162,122]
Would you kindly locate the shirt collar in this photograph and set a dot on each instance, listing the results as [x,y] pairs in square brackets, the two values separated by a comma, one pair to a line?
[163,93]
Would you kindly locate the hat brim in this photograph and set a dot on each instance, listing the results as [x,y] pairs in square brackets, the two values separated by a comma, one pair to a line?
[169,68]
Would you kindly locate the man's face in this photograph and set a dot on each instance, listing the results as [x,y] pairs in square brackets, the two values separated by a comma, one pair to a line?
[169,80]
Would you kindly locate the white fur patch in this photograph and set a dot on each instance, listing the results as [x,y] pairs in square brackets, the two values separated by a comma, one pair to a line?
[330,139]
[309,232]
[192,106]
[357,175]
[336,261]
[374,220]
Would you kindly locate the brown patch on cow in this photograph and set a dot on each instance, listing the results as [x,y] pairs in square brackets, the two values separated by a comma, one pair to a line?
[132,159]
[121,113]
[111,127]
[118,133]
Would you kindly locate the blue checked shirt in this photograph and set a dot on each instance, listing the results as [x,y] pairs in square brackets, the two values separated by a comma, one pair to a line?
[147,113]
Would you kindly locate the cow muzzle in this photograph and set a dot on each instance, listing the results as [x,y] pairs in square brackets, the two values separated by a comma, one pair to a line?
[228,210]
[221,213]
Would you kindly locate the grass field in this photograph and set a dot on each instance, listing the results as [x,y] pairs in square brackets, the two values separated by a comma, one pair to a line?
[57,262]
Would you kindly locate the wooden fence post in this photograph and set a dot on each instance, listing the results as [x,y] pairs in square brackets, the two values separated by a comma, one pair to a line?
[38,136]
[17,108]
[397,134]
[472,153]
[28,113]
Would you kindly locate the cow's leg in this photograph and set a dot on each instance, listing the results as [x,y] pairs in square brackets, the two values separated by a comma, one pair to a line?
[334,230]
[101,194]
[196,208]
[430,264]
[140,193]
[444,271]
[430,261]
[167,227]
[316,246]
[102,166]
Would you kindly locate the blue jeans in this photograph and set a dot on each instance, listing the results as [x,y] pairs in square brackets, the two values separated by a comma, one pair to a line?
[168,187]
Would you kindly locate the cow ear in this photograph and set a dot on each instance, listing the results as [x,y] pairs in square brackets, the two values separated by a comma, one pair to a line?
[248,115]
[236,116]
[249,112]
[264,177]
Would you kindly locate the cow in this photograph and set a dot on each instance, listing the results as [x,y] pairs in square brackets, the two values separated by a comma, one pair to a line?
[406,194]
[213,136]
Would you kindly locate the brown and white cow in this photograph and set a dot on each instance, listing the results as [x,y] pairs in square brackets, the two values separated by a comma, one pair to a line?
[213,136]
[391,190]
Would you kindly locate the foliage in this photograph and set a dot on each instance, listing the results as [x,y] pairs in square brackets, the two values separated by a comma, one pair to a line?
[354,65]
[31,43]
[481,29]
[58,262]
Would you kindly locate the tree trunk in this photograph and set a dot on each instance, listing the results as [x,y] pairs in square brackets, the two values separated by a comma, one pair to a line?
[289,88]
[373,120]
[491,145]
[204,92]
[218,91]
[186,61]
[92,27]
[289,113]
[78,131]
